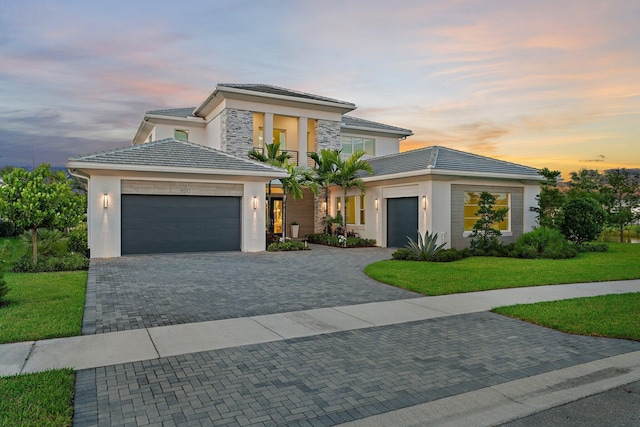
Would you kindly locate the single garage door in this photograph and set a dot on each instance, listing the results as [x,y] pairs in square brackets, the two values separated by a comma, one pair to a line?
[402,221]
[165,224]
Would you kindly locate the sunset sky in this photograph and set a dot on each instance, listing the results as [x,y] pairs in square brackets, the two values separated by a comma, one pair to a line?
[542,83]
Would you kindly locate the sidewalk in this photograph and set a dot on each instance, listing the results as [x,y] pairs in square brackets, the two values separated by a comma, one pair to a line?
[91,351]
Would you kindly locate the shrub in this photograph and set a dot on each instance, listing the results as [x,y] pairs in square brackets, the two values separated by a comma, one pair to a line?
[591,247]
[78,240]
[404,254]
[544,242]
[4,289]
[484,237]
[425,247]
[450,255]
[288,245]
[9,229]
[340,241]
[582,219]
[67,262]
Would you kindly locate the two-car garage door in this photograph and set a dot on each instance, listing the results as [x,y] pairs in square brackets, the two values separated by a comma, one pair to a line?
[172,223]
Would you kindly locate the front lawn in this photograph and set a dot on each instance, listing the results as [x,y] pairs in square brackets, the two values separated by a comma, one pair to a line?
[484,273]
[615,316]
[42,305]
[42,399]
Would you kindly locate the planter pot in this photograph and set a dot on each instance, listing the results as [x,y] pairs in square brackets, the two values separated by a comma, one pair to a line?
[295,229]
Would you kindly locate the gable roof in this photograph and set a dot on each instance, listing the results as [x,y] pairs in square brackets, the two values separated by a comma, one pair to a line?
[350,122]
[170,154]
[446,161]
[173,112]
[275,90]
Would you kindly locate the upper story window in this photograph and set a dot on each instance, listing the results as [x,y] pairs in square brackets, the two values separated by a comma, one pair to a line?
[279,135]
[503,200]
[351,144]
[181,135]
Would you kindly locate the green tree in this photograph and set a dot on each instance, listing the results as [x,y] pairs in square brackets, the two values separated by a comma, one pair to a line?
[550,199]
[273,157]
[300,177]
[325,167]
[582,219]
[484,235]
[585,182]
[4,288]
[620,196]
[346,176]
[39,199]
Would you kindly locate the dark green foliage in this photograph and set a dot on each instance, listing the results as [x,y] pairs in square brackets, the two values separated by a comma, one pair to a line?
[9,229]
[585,183]
[550,199]
[4,288]
[351,242]
[444,255]
[78,240]
[425,247]
[288,245]
[582,219]
[591,247]
[544,242]
[484,237]
[620,197]
[67,262]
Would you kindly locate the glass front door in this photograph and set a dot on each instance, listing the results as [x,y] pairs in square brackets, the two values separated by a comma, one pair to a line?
[275,216]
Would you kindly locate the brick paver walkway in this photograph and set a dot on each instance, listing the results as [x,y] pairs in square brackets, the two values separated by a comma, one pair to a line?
[326,380]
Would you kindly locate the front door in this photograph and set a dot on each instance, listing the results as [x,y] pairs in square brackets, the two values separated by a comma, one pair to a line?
[275,216]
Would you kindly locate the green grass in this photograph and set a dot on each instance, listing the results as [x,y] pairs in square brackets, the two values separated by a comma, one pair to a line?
[11,248]
[615,316]
[42,305]
[42,399]
[621,262]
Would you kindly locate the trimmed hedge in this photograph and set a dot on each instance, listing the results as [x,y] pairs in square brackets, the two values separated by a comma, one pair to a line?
[340,241]
[444,255]
[67,262]
[288,245]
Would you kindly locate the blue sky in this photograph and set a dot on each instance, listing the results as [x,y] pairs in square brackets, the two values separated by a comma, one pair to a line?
[546,83]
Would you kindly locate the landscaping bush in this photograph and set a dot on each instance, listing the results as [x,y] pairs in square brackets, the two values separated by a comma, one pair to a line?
[340,241]
[444,255]
[591,247]
[78,240]
[9,229]
[544,242]
[426,247]
[582,220]
[68,262]
[404,254]
[288,245]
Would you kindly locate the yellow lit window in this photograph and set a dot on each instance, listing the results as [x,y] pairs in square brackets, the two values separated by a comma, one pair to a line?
[471,207]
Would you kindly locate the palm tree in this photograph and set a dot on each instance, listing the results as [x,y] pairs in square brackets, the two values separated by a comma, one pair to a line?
[324,169]
[274,157]
[300,177]
[346,177]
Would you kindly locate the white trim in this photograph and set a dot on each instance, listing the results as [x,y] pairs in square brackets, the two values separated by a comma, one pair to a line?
[174,169]
[430,171]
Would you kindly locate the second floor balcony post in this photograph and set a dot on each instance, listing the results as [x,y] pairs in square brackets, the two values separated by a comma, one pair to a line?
[302,139]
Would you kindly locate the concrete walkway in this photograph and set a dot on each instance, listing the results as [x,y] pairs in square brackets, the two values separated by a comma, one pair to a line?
[92,351]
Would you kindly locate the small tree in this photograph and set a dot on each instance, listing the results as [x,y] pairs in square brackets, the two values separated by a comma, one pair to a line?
[39,199]
[550,199]
[325,167]
[585,182]
[621,199]
[582,219]
[484,236]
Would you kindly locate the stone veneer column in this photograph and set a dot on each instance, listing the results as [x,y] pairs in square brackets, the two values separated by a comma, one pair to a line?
[327,137]
[236,132]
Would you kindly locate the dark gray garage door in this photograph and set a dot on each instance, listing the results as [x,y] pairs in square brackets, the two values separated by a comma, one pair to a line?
[165,224]
[402,221]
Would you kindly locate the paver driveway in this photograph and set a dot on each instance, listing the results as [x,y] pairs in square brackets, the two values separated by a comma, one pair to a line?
[158,290]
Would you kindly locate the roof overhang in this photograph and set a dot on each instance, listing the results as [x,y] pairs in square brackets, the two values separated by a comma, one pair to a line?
[396,133]
[89,168]
[453,173]
[221,92]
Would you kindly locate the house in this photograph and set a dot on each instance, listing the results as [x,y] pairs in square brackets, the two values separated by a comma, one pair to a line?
[186,182]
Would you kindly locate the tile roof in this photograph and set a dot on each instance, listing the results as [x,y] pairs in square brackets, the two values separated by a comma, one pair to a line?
[174,153]
[275,90]
[174,112]
[439,158]
[350,121]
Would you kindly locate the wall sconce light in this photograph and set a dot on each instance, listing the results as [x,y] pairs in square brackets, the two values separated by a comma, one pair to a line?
[324,205]
[255,202]
[424,202]
[376,203]
[105,200]
[340,206]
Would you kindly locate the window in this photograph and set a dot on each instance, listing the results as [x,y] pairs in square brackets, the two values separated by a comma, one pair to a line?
[353,210]
[181,135]
[471,207]
[279,135]
[351,144]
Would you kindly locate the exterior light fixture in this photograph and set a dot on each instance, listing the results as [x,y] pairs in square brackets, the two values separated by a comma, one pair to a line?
[376,203]
[340,206]
[424,202]
[105,200]
[255,202]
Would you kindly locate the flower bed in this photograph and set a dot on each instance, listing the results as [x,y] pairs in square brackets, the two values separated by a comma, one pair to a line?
[340,241]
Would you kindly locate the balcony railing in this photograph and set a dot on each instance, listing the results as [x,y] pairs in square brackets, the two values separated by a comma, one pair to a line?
[294,157]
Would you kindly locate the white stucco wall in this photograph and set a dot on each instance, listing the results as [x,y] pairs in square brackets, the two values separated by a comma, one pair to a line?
[104,223]
[196,134]
[253,220]
[384,145]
